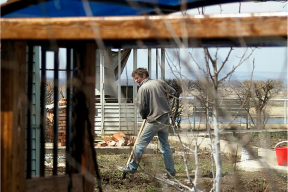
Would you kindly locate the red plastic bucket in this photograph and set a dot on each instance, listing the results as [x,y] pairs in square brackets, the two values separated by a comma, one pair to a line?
[281,154]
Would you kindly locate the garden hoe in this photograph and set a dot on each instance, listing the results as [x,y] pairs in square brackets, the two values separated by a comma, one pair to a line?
[131,154]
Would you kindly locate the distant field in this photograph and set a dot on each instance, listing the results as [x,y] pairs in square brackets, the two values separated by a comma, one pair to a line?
[274,108]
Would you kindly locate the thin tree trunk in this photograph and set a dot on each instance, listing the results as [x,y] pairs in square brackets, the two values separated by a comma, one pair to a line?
[218,159]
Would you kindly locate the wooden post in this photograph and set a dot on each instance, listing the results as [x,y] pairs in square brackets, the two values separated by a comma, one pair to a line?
[84,102]
[13,101]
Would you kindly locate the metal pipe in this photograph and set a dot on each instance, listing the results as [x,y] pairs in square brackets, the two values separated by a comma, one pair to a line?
[68,112]
[55,127]
[285,112]
[53,69]
[157,63]
[135,90]
[42,111]
[119,86]
[119,75]
[29,112]
[149,61]
[68,119]
[102,91]
[163,64]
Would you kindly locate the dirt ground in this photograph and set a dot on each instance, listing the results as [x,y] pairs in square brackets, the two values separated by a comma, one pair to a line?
[152,166]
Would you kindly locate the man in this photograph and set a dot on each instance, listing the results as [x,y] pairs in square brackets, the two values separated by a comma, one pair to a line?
[153,106]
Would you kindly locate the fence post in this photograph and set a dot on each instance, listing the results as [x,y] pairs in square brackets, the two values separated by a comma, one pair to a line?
[285,112]
[194,119]
[135,92]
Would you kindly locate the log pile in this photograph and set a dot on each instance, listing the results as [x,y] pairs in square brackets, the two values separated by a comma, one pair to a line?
[117,140]
[49,133]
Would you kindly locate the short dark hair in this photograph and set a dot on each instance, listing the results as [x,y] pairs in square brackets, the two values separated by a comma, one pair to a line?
[140,71]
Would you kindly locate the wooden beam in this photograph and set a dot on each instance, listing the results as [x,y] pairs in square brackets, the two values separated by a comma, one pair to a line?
[147,27]
[84,109]
[13,105]
[55,183]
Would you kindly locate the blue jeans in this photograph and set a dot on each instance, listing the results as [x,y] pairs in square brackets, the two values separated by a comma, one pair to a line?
[160,127]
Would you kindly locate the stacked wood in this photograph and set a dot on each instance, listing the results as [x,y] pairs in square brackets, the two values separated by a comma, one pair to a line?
[102,144]
[62,126]
[117,140]
[49,132]
[62,102]
[62,138]
[49,128]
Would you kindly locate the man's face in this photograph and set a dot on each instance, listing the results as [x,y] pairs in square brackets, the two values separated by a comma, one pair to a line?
[139,79]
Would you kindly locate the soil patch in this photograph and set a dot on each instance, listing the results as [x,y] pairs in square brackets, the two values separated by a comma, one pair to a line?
[152,166]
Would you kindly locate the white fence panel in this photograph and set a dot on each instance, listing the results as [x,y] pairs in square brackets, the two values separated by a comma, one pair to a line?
[117,117]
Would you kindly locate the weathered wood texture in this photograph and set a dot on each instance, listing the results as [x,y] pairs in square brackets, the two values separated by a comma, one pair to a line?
[147,28]
[88,82]
[55,183]
[84,109]
[13,102]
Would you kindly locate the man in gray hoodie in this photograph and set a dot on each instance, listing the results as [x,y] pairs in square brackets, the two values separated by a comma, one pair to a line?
[152,102]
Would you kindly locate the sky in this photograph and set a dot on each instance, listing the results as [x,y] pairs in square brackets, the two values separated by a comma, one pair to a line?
[266,59]
[272,59]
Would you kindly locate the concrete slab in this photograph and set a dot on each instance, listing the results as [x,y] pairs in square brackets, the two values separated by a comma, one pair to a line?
[269,155]
[151,149]
[266,160]
[120,150]
[260,165]
[225,147]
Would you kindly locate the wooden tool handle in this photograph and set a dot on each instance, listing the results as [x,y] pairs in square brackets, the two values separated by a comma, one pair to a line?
[140,131]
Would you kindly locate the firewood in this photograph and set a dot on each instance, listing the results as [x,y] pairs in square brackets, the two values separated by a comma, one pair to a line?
[122,134]
[121,142]
[131,141]
[101,144]
[108,138]
[117,137]
[112,143]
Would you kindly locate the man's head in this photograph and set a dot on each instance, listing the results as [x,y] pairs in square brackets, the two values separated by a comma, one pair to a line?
[140,74]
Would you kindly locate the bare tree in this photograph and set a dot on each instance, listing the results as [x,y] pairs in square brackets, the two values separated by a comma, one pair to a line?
[175,105]
[209,87]
[50,92]
[183,81]
[258,93]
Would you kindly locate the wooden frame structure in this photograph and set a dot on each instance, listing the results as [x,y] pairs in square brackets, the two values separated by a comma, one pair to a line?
[84,35]
[261,29]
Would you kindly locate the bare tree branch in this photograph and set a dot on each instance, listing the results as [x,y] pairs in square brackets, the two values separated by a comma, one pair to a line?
[226,59]
[242,60]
